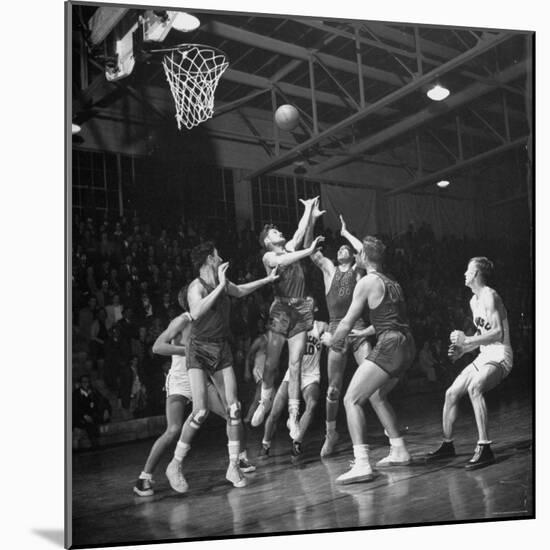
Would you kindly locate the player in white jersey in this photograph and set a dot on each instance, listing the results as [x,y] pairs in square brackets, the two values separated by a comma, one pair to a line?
[310,388]
[172,342]
[488,369]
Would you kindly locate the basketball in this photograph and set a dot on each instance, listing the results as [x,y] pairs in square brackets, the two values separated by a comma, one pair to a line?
[287,117]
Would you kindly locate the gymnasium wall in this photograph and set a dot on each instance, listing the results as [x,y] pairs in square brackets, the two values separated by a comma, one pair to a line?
[357,190]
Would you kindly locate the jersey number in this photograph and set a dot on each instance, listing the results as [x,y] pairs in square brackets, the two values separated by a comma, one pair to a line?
[395,293]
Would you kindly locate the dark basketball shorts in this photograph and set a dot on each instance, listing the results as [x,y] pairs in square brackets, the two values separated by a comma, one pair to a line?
[394,352]
[211,356]
[344,344]
[291,316]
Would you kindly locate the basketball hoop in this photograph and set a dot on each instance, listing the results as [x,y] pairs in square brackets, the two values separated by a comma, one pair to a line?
[193,72]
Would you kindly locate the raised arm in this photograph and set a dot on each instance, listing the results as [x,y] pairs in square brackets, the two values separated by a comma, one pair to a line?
[163,345]
[317,257]
[298,236]
[198,302]
[272,259]
[354,241]
[243,290]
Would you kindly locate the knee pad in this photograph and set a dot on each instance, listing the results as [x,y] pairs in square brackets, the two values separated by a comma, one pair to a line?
[198,417]
[333,394]
[234,414]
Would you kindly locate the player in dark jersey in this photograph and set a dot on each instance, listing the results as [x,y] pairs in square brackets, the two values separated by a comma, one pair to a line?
[340,281]
[290,315]
[379,372]
[209,355]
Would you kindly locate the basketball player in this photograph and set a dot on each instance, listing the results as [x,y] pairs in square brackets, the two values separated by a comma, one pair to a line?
[379,372]
[209,357]
[488,369]
[172,342]
[339,282]
[290,315]
[310,377]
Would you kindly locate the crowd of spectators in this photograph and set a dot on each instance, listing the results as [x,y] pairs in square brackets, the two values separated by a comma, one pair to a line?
[126,275]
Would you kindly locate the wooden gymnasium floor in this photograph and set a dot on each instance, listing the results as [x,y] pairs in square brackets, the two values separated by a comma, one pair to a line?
[287,496]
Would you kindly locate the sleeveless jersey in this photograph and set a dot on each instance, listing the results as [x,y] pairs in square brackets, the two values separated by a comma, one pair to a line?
[291,282]
[391,313]
[214,324]
[340,294]
[483,326]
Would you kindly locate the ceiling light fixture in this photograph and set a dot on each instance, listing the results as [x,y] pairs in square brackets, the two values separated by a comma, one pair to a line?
[443,183]
[438,93]
[185,22]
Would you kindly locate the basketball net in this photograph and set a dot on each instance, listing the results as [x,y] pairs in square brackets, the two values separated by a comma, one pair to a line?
[193,72]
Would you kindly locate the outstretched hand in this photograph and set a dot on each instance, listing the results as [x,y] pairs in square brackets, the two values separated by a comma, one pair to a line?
[344,228]
[273,275]
[316,242]
[308,203]
[316,213]
[222,268]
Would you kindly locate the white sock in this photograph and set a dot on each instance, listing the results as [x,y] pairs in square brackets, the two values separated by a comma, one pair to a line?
[397,442]
[361,452]
[266,443]
[145,475]
[331,426]
[181,451]
[243,455]
[233,450]
[445,440]
[484,442]
[293,407]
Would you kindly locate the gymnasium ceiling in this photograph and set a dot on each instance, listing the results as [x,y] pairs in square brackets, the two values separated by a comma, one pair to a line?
[370,80]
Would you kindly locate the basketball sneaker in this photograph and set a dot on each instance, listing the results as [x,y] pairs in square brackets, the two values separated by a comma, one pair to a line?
[260,413]
[330,442]
[246,466]
[235,476]
[399,456]
[264,452]
[483,456]
[144,487]
[293,428]
[446,450]
[360,471]
[175,477]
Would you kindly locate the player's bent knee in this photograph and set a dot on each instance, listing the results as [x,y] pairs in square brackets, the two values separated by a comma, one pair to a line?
[173,430]
[198,418]
[333,394]
[351,400]
[451,395]
[234,414]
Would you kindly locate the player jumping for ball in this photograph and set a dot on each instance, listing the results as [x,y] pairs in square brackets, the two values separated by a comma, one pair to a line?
[290,315]
[488,369]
